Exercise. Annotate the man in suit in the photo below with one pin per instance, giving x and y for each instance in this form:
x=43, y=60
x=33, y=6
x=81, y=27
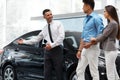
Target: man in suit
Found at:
x=53, y=32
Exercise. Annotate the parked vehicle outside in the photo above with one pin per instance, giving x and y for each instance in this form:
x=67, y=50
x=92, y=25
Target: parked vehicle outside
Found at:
x=26, y=62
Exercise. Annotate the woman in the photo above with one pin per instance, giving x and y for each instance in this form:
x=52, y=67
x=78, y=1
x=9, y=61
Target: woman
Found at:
x=107, y=41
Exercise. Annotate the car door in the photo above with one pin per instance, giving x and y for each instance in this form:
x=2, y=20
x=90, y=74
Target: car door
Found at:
x=31, y=60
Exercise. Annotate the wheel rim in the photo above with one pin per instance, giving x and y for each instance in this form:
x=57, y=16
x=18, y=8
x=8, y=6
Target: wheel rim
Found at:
x=9, y=74
x=74, y=77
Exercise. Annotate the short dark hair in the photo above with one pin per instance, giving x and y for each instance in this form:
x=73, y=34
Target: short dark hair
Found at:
x=89, y=2
x=46, y=10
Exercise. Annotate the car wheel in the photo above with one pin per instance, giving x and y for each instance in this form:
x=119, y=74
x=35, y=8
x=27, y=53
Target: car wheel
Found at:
x=73, y=76
x=9, y=73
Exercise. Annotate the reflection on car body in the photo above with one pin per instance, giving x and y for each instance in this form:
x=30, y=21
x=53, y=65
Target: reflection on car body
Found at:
x=26, y=62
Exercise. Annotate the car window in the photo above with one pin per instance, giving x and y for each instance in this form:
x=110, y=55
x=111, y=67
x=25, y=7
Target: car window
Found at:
x=37, y=45
x=30, y=37
x=70, y=42
x=73, y=41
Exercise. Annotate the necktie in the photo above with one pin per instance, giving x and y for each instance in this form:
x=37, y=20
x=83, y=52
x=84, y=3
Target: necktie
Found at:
x=88, y=18
x=50, y=35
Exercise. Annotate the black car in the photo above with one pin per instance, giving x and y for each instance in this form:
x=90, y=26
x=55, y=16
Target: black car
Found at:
x=26, y=62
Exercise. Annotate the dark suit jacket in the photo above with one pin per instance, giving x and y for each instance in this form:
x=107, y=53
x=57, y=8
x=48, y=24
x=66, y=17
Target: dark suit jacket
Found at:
x=108, y=38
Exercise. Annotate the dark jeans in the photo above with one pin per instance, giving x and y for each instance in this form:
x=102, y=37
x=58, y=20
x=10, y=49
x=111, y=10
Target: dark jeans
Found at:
x=54, y=59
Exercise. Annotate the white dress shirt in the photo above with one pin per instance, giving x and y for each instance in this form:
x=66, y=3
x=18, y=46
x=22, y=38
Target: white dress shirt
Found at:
x=57, y=32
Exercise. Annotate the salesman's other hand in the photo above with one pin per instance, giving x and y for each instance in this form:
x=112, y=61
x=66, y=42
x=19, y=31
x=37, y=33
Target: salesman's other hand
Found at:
x=48, y=47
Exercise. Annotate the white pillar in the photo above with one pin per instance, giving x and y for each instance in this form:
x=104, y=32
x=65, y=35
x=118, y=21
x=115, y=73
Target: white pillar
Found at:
x=4, y=22
x=3, y=31
x=73, y=5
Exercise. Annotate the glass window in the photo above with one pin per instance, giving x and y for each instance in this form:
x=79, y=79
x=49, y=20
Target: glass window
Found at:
x=71, y=41
x=73, y=24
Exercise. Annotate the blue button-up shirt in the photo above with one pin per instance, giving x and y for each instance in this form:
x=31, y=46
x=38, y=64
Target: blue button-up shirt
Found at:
x=93, y=26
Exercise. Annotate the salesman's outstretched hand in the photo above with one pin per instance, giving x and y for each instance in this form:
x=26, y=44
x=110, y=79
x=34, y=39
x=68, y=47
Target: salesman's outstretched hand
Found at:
x=20, y=41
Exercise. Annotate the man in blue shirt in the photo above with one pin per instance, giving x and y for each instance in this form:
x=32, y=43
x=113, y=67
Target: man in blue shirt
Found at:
x=87, y=52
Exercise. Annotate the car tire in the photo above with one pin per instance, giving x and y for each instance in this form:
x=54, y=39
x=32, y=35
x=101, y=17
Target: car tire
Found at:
x=9, y=73
x=73, y=76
